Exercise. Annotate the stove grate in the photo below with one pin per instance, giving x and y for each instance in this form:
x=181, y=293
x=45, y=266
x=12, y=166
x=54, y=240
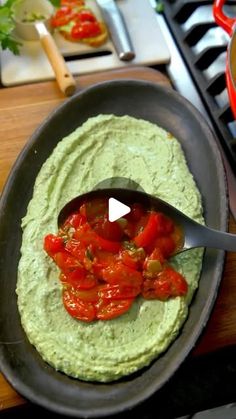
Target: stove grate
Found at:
x=203, y=46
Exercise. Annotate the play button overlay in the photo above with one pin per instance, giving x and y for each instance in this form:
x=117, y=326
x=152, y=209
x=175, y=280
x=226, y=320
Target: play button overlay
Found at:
x=110, y=202
x=107, y=205
x=116, y=209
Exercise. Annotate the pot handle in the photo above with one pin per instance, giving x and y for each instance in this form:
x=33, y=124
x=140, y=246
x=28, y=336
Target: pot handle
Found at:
x=226, y=22
x=231, y=89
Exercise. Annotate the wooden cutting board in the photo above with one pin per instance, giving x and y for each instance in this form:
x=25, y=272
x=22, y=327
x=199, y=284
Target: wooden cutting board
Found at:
x=32, y=65
x=25, y=107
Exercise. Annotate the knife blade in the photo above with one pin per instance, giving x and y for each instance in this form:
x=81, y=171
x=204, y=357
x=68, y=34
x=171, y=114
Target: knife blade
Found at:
x=117, y=28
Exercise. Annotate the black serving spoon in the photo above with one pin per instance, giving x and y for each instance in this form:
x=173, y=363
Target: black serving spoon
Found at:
x=194, y=234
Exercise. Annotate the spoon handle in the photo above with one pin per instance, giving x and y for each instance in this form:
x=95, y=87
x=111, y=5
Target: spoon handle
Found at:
x=208, y=237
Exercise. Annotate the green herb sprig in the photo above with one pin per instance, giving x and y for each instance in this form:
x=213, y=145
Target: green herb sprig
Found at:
x=7, y=39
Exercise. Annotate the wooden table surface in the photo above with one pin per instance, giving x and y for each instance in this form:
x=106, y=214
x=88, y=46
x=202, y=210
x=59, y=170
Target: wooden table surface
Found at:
x=22, y=109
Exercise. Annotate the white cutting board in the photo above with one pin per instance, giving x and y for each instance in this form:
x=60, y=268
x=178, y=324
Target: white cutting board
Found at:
x=142, y=23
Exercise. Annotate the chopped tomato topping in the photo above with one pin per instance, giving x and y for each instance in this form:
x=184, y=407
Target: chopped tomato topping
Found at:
x=85, y=15
x=178, y=283
x=117, y=292
x=83, y=23
x=65, y=261
x=79, y=278
x=81, y=310
x=166, y=245
x=62, y=16
x=53, y=244
x=129, y=259
x=75, y=220
x=168, y=283
x=85, y=29
x=122, y=275
x=105, y=265
x=149, y=233
x=137, y=211
x=108, y=230
x=108, y=310
x=72, y=3
x=92, y=295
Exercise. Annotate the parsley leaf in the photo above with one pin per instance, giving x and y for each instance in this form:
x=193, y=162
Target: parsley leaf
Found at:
x=159, y=6
x=55, y=3
x=6, y=27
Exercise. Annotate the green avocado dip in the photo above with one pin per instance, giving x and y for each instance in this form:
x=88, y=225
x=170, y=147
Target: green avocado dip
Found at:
x=105, y=146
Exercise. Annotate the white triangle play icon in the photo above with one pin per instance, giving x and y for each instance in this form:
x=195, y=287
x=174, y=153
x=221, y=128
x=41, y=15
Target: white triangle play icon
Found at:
x=116, y=209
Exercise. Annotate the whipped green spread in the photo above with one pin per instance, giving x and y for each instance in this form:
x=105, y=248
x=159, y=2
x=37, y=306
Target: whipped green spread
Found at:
x=105, y=146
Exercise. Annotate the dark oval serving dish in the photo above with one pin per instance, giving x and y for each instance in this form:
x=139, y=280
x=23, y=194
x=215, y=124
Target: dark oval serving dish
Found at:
x=19, y=361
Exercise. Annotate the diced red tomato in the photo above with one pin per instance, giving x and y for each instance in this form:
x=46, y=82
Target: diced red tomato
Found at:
x=62, y=16
x=83, y=30
x=108, y=230
x=83, y=210
x=94, y=209
x=86, y=235
x=156, y=289
x=101, y=261
x=122, y=275
x=105, y=258
x=166, y=245
x=79, y=278
x=128, y=260
x=164, y=225
x=178, y=237
x=179, y=285
x=137, y=211
x=53, y=244
x=118, y=292
x=155, y=255
x=85, y=15
x=111, y=309
x=140, y=224
x=92, y=295
x=108, y=245
x=162, y=289
x=149, y=233
x=65, y=261
x=81, y=310
x=130, y=229
x=75, y=220
x=76, y=249
x=72, y=3
x=168, y=283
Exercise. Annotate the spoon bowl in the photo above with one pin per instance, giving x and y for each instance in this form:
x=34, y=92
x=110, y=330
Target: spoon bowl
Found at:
x=194, y=234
